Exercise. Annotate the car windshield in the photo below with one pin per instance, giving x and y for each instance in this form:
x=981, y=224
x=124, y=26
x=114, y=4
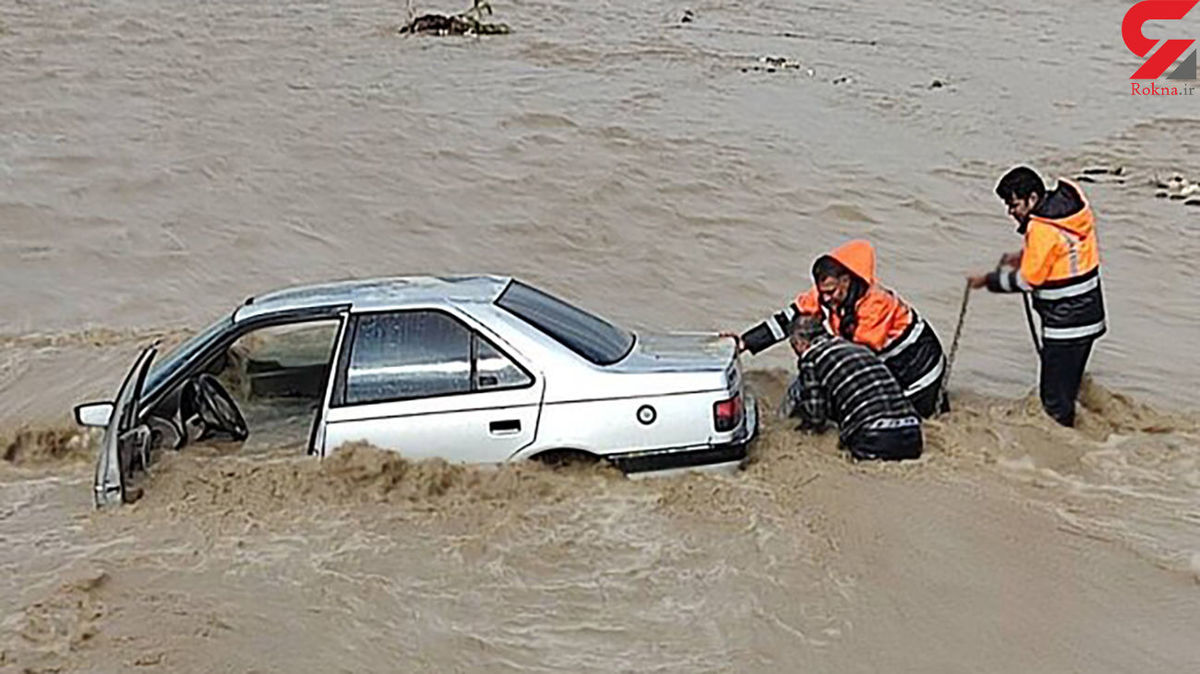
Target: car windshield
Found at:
x=589, y=336
x=164, y=366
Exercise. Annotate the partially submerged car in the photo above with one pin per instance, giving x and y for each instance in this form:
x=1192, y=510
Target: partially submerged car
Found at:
x=469, y=369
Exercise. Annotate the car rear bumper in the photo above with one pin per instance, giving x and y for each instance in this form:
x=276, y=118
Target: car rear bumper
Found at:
x=722, y=457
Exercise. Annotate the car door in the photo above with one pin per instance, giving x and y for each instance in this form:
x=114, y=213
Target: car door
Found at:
x=126, y=441
x=425, y=384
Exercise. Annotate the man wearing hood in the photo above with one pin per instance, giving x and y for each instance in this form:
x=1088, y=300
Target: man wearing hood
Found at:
x=858, y=308
x=1060, y=266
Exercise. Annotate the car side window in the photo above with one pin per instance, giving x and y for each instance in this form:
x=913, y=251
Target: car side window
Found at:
x=494, y=370
x=411, y=354
x=421, y=354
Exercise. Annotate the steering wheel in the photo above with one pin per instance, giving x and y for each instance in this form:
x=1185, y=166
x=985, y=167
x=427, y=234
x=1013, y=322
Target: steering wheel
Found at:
x=216, y=408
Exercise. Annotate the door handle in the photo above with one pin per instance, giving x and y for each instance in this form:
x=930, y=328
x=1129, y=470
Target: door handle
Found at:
x=505, y=427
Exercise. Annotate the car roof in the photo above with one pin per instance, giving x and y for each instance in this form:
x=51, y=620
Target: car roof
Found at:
x=377, y=293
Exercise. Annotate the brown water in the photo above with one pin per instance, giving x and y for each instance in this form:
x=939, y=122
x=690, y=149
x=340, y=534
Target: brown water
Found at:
x=159, y=161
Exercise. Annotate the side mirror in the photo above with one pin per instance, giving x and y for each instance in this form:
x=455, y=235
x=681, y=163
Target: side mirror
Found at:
x=94, y=414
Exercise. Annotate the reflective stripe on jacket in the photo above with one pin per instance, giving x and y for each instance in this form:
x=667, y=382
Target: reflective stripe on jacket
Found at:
x=1060, y=266
x=885, y=323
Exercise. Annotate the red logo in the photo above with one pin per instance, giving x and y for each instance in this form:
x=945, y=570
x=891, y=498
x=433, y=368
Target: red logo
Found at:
x=1171, y=50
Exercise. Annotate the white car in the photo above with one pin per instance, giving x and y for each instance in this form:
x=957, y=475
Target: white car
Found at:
x=469, y=369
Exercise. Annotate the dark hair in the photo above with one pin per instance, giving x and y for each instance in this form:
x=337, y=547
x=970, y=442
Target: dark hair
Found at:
x=826, y=266
x=1019, y=183
x=808, y=327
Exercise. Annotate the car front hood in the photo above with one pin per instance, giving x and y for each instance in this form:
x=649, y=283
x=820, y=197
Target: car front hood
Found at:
x=678, y=352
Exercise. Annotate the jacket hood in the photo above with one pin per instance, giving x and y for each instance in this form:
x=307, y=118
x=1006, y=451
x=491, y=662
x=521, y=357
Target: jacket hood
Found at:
x=858, y=256
x=1067, y=208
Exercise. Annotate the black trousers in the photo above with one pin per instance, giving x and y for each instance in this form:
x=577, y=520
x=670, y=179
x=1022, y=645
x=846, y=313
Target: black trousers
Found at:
x=1062, y=372
x=931, y=400
x=893, y=444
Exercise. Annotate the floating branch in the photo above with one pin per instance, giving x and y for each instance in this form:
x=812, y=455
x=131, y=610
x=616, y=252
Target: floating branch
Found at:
x=469, y=22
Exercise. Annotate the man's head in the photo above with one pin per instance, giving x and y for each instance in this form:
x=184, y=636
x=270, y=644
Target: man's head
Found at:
x=806, y=330
x=833, y=281
x=1021, y=188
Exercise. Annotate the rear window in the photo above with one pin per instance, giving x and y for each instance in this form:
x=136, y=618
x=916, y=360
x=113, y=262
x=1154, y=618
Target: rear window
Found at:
x=590, y=336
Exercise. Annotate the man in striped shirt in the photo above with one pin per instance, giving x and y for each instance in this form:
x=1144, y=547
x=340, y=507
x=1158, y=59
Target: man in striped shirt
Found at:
x=846, y=383
x=855, y=305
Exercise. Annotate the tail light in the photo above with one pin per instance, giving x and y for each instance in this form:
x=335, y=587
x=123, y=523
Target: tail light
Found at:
x=727, y=414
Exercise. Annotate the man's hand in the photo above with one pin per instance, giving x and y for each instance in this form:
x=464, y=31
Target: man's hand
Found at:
x=977, y=282
x=737, y=339
x=1011, y=259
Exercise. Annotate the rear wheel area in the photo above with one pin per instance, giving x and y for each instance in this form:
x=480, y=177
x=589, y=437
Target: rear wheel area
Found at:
x=566, y=458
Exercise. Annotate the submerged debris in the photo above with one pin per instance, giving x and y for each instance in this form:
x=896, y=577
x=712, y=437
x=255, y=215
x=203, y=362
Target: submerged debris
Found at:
x=1176, y=181
x=1178, y=188
x=1103, y=170
x=688, y=16
x=1107, y=174
x=771, y=64
x=465, y=23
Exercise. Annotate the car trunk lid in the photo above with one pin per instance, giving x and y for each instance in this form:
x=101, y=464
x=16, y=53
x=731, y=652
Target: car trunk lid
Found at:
x=679, y=352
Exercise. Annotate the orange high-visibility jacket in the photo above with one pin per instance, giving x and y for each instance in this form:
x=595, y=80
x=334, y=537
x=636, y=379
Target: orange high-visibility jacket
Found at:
x=885, y=323
x=1060, y=265
x=882, y=315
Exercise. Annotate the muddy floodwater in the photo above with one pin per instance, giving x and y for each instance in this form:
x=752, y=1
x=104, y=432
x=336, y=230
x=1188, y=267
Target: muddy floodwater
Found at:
x=162, y=160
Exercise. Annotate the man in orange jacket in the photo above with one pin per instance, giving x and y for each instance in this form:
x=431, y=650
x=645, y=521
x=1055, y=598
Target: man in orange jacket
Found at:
x=1060, y=265
x=859, y=308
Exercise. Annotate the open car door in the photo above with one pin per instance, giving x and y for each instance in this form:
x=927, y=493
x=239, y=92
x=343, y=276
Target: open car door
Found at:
x=126, y=444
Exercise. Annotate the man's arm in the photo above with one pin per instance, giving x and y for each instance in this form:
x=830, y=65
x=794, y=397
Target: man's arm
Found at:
x=769, y=332
x=1037, y=258
x=1010, y=260
x=1033, y=262
x=1006, y=280
x=1024, y=271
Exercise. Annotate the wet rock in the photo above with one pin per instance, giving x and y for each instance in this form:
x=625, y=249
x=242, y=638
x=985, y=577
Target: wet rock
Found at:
x=844, y=79
x=688, y=16
x=937, y=84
